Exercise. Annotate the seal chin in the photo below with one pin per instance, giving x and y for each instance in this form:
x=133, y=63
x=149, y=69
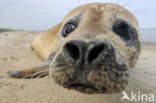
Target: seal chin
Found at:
x=99, y=87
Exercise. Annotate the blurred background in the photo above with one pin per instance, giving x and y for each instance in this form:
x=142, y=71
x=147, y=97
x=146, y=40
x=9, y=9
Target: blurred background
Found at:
x=39, y=15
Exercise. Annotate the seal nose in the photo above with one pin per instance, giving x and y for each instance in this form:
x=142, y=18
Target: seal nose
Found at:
x=75, y=49
x=95, y=51
x=82, y=52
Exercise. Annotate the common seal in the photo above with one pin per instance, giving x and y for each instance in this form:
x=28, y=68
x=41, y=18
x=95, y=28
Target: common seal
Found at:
x=91, y=50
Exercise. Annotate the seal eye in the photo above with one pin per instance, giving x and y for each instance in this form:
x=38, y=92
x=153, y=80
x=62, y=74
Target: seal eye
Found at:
x=123, y=30
x=69, y=27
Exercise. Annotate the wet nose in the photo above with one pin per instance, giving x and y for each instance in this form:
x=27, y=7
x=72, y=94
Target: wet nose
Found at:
x=82, y=51
x=75, y=49
x=95, y=51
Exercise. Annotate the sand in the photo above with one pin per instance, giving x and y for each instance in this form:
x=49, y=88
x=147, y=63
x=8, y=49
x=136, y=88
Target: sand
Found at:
x=15, y=54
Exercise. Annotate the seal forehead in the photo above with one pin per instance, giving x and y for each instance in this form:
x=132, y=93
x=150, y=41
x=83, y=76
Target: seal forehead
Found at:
x=110, y=8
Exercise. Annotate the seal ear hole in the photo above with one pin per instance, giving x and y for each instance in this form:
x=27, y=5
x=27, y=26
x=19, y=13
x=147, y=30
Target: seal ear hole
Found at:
x=95, y=52
x=72, y=50
x=123, y=30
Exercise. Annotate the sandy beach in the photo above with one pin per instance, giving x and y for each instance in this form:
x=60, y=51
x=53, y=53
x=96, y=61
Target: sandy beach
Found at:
x=15, y=54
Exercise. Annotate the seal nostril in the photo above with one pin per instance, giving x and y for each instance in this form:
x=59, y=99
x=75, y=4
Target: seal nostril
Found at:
x=95, y=52
x=73, y=50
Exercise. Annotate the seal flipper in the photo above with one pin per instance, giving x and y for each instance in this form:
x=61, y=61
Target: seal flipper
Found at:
x=29, y=73
x=16, y=74
x=33, y=72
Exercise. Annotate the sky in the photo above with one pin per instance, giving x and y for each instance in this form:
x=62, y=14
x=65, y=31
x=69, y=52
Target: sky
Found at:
x=44, y=14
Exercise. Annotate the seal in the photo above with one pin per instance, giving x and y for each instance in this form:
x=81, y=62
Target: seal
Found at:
x=91, y=50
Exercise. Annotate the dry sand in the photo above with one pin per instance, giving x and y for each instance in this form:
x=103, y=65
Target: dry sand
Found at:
x=15, y=53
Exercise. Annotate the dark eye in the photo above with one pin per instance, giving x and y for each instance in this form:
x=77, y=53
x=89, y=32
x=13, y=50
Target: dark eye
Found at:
x=123, y=30
x=69, y=27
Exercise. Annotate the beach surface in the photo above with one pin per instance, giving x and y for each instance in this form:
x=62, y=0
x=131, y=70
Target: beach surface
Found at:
x=16, y=54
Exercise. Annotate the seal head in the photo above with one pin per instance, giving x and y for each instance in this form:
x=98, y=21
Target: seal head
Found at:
x=97, y=45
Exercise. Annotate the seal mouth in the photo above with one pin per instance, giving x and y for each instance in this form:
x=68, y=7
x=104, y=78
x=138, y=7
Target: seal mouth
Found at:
x=81, y=87
x=77, y=85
